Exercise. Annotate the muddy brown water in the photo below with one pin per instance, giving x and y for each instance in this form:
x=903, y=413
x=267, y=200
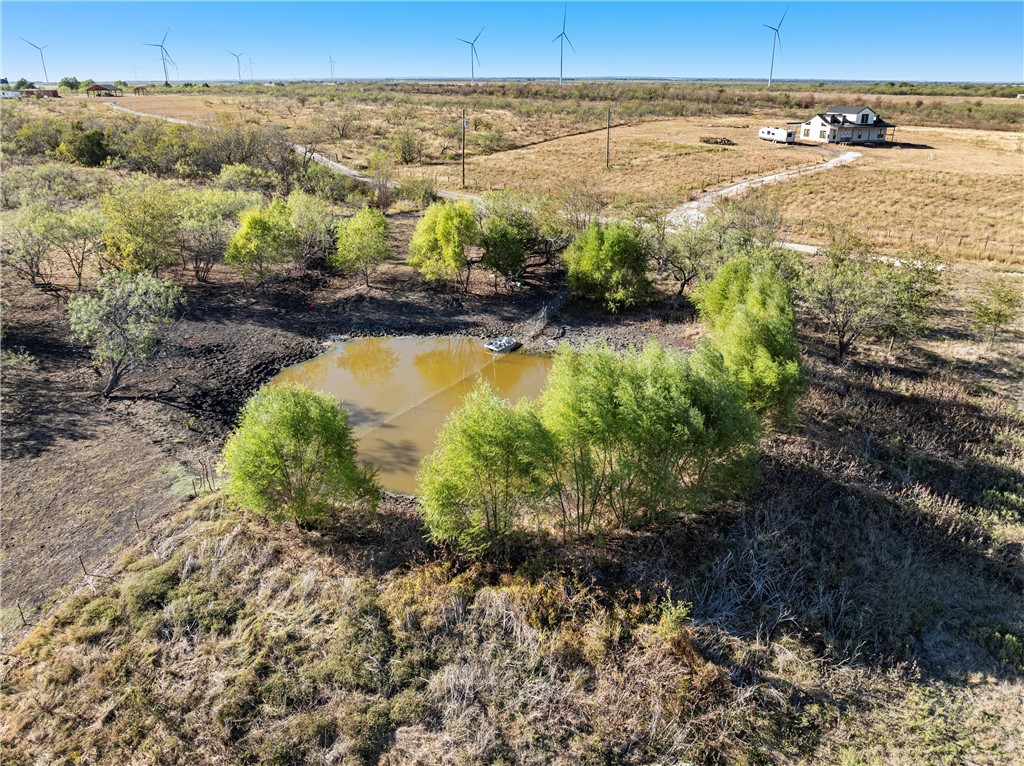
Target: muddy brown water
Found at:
x=400, y=390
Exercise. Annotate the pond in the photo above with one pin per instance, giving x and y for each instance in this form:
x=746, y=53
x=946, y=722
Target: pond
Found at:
x=400, y=390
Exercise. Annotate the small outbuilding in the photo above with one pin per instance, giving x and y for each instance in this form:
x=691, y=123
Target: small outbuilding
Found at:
x=102, y=90
x=38, y=93
x=139, y=90
x=845, y=125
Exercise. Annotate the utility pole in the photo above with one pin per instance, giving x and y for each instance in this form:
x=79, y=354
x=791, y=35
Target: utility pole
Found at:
x=464, y=148
x=608, y=143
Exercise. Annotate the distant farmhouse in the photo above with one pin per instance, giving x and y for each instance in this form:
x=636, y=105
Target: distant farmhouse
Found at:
x=845, y=125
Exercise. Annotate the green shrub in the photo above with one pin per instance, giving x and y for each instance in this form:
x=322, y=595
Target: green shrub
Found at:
x=362, y=242
x=242, y=177
x=608, y=263
x=504, y=249
x=293, y=456
x=996, y=307
x=639, y=435
x=320, y=180
x=265, y=236
x=438, y=247
x=418, y=190
x=85, y=147
x=748, y=308
x=124, y=322
x=142, y=225
x=482, y=473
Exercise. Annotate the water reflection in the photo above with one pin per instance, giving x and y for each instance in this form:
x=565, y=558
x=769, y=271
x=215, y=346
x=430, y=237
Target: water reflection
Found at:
x=400, y=390
x=370, y=360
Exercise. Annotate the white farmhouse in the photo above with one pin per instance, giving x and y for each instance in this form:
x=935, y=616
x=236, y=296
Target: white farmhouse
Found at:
x=845, y=125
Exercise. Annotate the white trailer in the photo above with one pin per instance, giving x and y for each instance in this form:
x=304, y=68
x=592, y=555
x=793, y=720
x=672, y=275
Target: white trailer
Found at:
x=9, y=94
x=777, y=135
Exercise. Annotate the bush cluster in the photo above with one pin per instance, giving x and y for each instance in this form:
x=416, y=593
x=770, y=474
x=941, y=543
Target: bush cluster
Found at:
x=622, y=440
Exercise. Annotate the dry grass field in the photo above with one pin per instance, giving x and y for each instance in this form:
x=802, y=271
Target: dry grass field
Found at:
x=662, y=161
x=957, y=192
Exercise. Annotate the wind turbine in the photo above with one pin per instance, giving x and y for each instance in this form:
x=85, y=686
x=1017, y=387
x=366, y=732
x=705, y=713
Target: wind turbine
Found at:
x=47, y=76
x=472, y=53
x=251, y=62
x=164, y=55
x=776, y=38
x=563, y=38
x=332, y=62
x=238, y=61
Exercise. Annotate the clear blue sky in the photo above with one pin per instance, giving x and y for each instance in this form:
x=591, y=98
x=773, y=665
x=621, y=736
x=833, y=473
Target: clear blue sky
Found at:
x=973, y=41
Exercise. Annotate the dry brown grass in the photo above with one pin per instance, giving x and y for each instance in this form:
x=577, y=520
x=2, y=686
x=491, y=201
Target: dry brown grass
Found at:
x=959, y=193
x=661, y=161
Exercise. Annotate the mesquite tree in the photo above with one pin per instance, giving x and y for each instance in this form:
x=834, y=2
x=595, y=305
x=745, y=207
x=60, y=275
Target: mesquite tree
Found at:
x=124, y=321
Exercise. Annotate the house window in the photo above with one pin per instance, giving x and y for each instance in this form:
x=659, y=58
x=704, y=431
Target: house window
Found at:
x=864, y=118
x=859, y=135
x=807, y=132
x=822, y=134
x=881, y=134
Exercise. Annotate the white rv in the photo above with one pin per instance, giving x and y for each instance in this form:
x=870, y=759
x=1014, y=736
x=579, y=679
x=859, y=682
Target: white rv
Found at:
x=9, y=94
x=777, y=135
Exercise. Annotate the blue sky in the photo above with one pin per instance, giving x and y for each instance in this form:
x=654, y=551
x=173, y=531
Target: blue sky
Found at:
x=973, y=41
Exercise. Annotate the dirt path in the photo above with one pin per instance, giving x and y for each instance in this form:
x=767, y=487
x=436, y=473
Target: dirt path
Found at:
x=692, y=213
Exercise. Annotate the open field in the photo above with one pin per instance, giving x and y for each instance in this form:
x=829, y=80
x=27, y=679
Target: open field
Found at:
x=660, y=161
x=956, y=192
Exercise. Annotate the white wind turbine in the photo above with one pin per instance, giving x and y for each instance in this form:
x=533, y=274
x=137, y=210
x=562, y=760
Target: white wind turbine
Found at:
x=45, y=74
x=563, y=38
x=472, y=54
x=332, y=62
x=164, y=55
x=238, y=62
x=776, y=38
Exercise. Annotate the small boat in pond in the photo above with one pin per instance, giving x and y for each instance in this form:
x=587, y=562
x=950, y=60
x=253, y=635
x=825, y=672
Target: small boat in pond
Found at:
x=502, y=345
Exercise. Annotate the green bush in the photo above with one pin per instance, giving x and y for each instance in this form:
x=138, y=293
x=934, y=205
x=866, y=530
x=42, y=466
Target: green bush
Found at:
x=293, y=456
x=438, y=246
x=142, y=225
x=85, y=147
x=362, y=242
x=123, y=323
x=242, y=177
x=418, y=190
x=608, y=263
x=265, y=236
x=638, y=436
x=328, y=184
x=748, y=308
x=483, y=471
x=504, y=249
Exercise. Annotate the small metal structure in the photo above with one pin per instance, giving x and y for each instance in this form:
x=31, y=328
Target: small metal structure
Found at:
x=139, y=90
x=502, y=345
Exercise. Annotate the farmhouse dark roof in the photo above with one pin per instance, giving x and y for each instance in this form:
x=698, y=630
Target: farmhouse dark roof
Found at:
x=845, y=109
x=841, y=121
x=102, y=86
